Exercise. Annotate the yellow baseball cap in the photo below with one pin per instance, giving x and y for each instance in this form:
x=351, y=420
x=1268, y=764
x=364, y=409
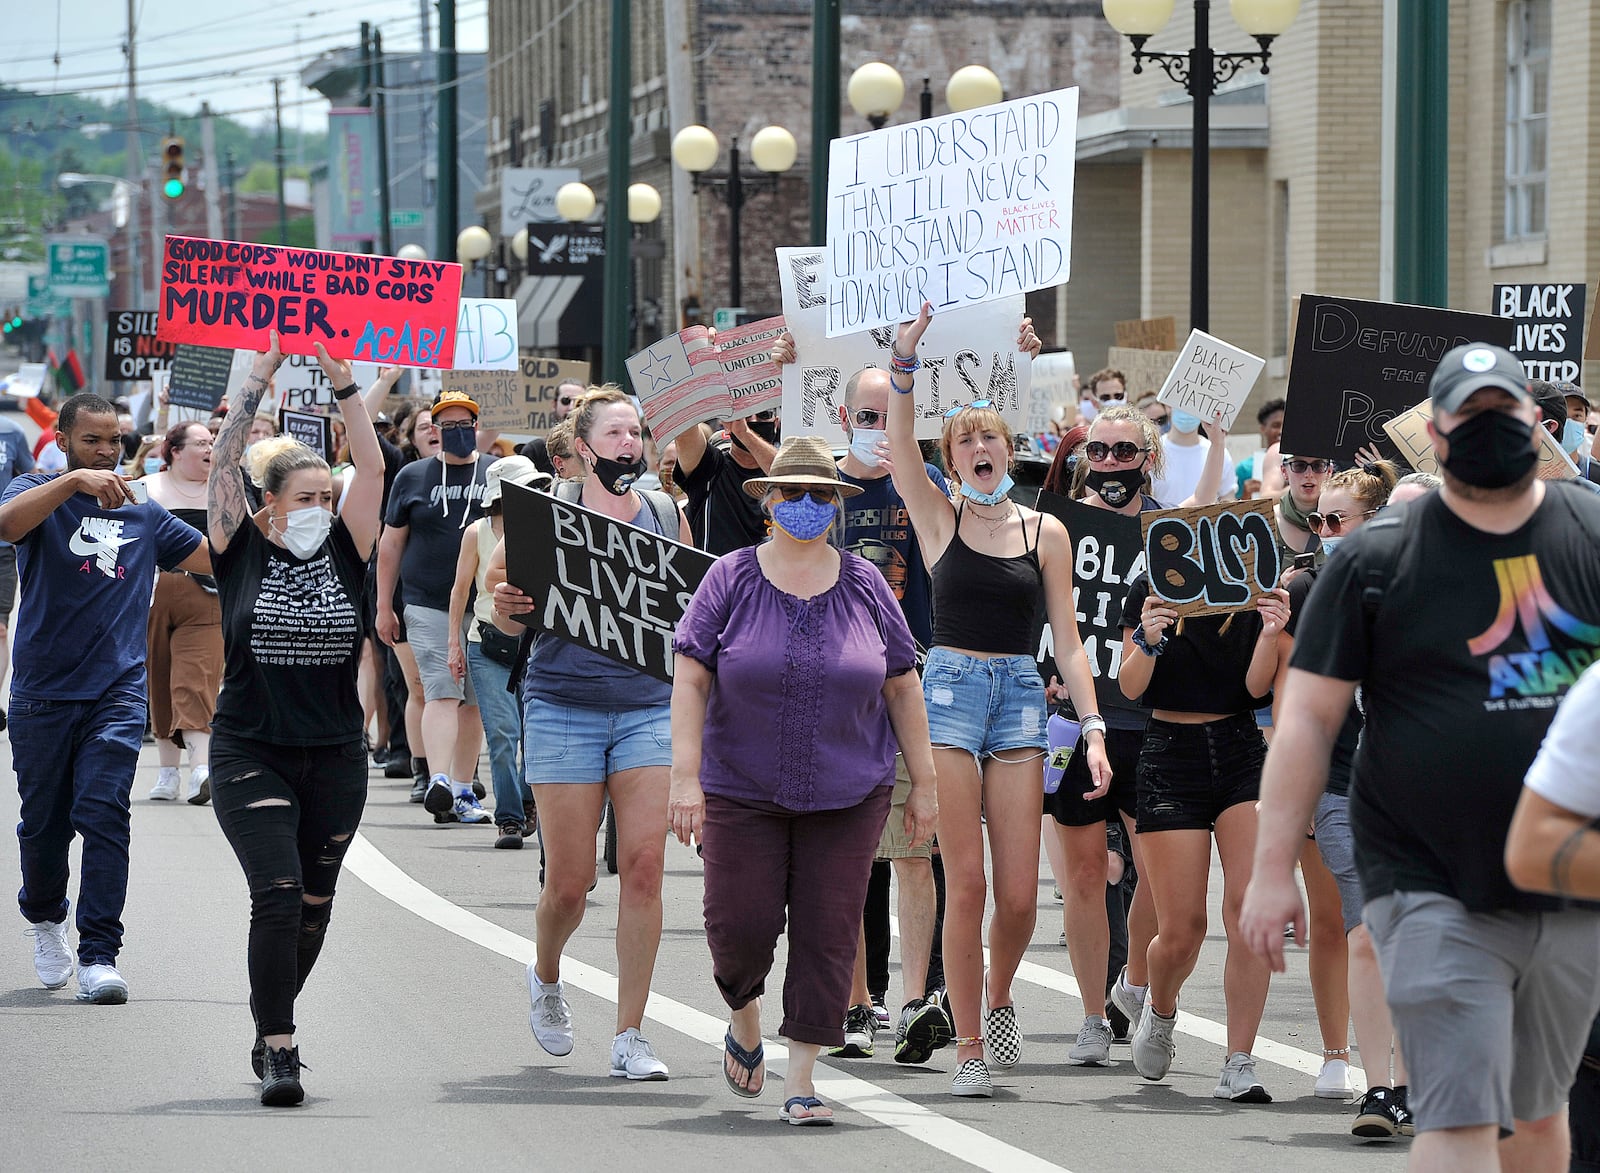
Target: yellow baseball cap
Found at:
x=455, y=399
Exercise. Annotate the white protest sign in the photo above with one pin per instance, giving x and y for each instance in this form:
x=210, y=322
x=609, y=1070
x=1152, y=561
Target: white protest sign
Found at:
x=300, y=384
x=486, y=334
x=1211, y=376
x=1052, y=387
x=957, y=210
x=679, y=383
x=966, y=354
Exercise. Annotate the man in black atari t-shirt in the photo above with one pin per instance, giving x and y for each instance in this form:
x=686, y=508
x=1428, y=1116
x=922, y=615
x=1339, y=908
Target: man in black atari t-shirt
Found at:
x=1465, y=617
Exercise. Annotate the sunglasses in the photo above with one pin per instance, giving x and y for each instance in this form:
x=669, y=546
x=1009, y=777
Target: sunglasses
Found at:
x=976, y=404
x=566, y=401
x=794, y=493
x=763, y=417
x=1301, y=467
x=1334, y=521
x=1113, y=398
x=1123, y=450
x=865, y=417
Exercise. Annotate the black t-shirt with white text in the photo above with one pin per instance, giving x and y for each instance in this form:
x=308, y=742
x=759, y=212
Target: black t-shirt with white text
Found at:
x=436, y=501
x=1477, y=639
x=722, y=516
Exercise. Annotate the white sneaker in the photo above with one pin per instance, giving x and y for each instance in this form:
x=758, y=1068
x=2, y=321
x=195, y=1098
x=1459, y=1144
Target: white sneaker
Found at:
x=102, y=984
x=52, y=956
x=550, y=1016
x=633, y=1058
x=1127, y=999
x=1239, y=1082
x=1093, y=1045
x=1334, y=1082
x=199, y=791
x=166, y=787
x=1153, y=1048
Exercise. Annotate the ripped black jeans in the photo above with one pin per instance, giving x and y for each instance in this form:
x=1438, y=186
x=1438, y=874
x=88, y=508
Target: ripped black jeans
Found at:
x=289, y=813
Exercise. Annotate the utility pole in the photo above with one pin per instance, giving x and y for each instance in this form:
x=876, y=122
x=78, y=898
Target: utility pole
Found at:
x=380, y=114
x=136, y=194
x=277, y=156
x=681, y=113
x=619, y=135
x=1422, y=173
x=231, y=179
x=824, y=108
x=449, y=179
x=208, y=152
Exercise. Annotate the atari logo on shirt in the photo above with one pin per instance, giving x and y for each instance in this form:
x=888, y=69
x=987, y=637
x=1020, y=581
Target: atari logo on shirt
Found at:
x=100, y=538
x=1542, y=670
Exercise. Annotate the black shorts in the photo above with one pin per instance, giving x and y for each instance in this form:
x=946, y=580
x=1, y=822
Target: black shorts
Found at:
x=1068, y=806
x=1190, y=774
x=8, y=583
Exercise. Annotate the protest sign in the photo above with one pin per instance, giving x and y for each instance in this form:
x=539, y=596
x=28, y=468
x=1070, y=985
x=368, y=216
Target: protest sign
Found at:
x=605, y=585
x=1549, y=337
x=1148, y=333
x=966, y=354
x=1409, y=433
x=486, y=334
x=300, y=384
x=957, y=210
x=1051, y=387
x=1107, y=554
x=28, y=380
x=225, y=293
x=1358, y=364
x=1211, y=376
x=198, y=377
x=1145, y=371
x=314, y=431
x=679, y=382
x=524, y=403
x=745, y=352
x=132, y=348
x=1212, y=560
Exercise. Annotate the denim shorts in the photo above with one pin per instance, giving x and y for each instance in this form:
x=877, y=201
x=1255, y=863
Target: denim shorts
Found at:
x=565, y=743
x=983, y=706
x=1190, y=774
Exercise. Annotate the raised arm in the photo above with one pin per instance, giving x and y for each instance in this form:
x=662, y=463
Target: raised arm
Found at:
x=691, y=443
x=373, y=397
x=365, y=492
x=932, y=515
x=227, y=506
x=1209, y=485
x=759, y=450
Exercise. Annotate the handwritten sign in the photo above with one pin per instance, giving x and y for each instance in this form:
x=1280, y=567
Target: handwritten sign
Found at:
x=301, y=386
x=1358, y=364
x=1108, y=554
x=1211, y=376
x=529, y=193
x=132, y=348
x=957, y=210
x=1409, y=433
x=199, y=376
x=486, y=334
x=388, y=310
x=745, y=352
x=605, y=585
x=966, y=354
x=1051, y=387
x=1148, y=333
x=1549, y=337
x=526, y=403
x=1213, y=560
x=314, y=431
x=680, y=382
x=1146, y=370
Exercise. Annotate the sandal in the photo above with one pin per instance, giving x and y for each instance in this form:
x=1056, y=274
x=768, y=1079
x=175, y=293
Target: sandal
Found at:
x=749, y=1060
x=810, y=1104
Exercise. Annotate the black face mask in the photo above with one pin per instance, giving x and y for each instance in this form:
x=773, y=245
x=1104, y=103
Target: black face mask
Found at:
x=1490, y=450
x=1117, y=488
x=617, y=476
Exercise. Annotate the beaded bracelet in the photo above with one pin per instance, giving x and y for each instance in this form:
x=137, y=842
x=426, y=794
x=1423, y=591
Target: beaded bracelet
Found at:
x=899, y=390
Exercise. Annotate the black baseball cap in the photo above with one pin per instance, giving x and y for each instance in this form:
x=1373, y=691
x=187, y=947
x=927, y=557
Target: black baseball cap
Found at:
x=1471, y=368
x=1552, y=403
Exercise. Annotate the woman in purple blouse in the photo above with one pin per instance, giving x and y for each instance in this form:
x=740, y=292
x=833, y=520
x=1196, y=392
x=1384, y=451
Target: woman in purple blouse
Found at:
x=794, y=686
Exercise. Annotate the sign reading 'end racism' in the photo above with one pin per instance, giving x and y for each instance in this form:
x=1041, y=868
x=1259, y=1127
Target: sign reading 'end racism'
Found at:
x=386, y=310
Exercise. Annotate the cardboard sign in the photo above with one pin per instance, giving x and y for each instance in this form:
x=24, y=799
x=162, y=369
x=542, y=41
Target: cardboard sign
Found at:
x=613, y=588
x=1409, y=433
x=1358, y=364
x=198, y=377
x=745, y=352
x=1213, y=560
x=1146, y=370
x=132, y=348
x=1211, y=376
x=957, y=210
x=1549, y=337
x=300, y=384
x=486, y=334
x=1108, y=554
x=525, y=403
x=387, y=310
x=314, y=431
x=966, y=354
x=1148, y=333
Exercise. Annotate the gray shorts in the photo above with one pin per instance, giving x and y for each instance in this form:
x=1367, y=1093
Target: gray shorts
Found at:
x=428, y=632
x=1338, y=850
x=1492, y=1010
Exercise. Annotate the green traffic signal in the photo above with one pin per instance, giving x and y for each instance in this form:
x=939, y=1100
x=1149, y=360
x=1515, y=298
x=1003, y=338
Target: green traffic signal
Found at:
x=16, y=323
x=172, y=189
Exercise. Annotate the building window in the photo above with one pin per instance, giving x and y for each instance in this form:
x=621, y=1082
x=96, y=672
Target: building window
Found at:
x=1527, y=117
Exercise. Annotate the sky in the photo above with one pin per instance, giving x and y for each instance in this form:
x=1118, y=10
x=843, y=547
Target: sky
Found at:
x=226, y=54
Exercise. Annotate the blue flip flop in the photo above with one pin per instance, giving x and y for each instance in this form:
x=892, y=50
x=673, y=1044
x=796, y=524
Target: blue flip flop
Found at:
x=809, y=1103
x=749, y=1060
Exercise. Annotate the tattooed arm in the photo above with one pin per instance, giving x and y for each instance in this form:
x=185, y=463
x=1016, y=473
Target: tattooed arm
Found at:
x=1552, y=849
x=228, y=507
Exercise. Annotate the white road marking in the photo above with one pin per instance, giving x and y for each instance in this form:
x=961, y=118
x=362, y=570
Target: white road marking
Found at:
x=976, y=1148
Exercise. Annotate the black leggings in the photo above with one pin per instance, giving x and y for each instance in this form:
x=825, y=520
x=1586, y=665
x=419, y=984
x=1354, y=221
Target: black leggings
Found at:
x=289, y=813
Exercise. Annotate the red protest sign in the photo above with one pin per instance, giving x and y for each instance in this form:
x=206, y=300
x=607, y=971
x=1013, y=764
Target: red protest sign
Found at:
x=371, y=309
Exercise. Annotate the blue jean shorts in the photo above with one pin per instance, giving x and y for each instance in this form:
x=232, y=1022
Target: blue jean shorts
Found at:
x=565, y=743
x=983, y=706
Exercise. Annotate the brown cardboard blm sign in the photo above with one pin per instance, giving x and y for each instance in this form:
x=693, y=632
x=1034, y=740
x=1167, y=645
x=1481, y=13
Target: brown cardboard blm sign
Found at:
x=1213, y=560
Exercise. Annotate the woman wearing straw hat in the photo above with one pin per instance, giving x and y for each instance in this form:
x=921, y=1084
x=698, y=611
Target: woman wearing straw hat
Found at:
x=781, y=640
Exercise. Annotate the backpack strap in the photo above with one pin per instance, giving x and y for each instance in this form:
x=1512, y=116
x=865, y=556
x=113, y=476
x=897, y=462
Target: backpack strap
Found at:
x=666, y=511
x=1386, y=538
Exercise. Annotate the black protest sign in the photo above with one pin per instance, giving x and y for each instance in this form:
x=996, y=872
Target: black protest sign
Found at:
x=1212, y=560
x=199, y=376
x=1549, y=320
x=1107, y=554
x=132, y=349
x=314, y=431
x=1358, y=364
x=605, y=585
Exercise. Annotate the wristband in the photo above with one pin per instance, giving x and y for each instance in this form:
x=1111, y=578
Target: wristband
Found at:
x=899, y=390
x=1138, y=642
x=1092, y=723
x=905, y=364
x=343, y=393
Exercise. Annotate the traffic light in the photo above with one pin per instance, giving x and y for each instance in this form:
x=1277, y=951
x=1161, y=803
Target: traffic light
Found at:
x=13, y=321
x=172, y=167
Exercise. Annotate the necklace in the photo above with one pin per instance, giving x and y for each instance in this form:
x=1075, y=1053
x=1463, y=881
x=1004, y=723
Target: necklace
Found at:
x=994, y=525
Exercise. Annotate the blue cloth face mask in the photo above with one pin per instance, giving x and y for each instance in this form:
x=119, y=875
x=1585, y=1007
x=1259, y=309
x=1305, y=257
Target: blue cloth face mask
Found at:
x=864, y=445
x=804, y=520
x=994, y=498
x=459, y=442
x=1330, y=544
x=152, y=464
x=1183, y=421
x=1573, y=435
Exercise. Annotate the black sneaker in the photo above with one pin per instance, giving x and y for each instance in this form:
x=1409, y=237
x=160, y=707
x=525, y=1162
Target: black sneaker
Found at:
x=258, y=1057
x=380, y=756
x=419, y=789
x=510, y=837
x=478, y=791
x=1119, y=1022
x=923, y=1029
x=397, y=765
x=1376, y=1115
x=860, y=1025
x=280, y=1084
x=1402, y=1109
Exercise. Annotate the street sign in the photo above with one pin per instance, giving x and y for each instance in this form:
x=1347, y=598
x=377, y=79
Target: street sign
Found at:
x=41, y=303
x=78, y=266
x=409, y=218
x=726, y=318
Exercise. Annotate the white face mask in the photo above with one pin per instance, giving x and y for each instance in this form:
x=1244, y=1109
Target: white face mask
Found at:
x=304, y=530
x=864, y=445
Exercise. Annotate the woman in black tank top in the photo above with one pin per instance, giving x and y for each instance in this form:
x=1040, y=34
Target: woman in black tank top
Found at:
x=993, y=565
